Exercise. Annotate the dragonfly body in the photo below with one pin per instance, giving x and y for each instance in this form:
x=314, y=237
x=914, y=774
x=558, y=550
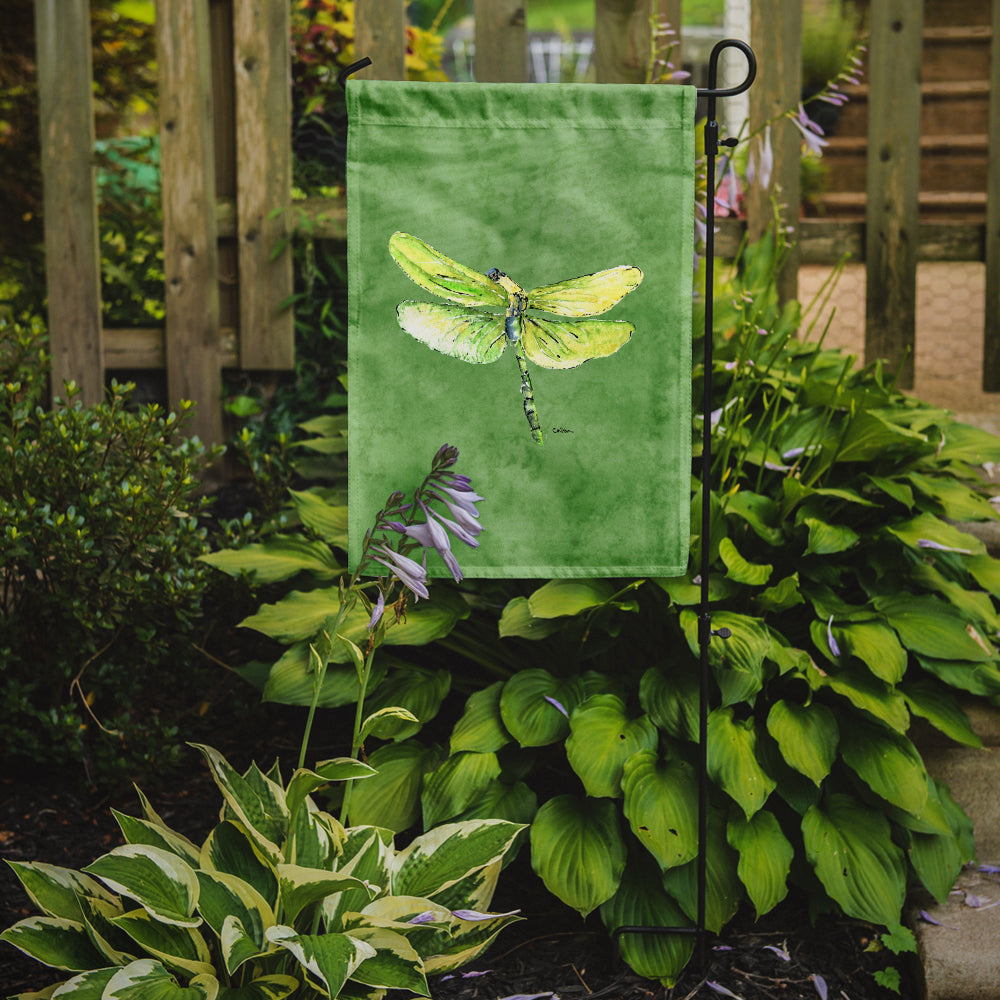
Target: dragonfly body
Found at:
x=470, y=330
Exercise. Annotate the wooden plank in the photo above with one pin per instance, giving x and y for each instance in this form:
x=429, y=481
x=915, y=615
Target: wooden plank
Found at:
x=991, y=332
x=72, y=257
x=144, y=348
x=501, y=41
x=621, y=40
x=380, y=34
x=190, y=254
x=893, y=184
x=262, y=62
x=776, y=35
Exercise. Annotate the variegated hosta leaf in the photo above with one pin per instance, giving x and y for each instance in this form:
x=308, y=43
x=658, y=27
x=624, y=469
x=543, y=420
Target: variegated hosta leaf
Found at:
x=515, y=803
x=391, y=799
x=732, y=760
x=147, y=979
x=475, y=891
x=300, y=887
x=304, y=782
x=850, y=847
x=256, y=801
x=367, y=854
x=273, y=987
x=441, y=857
x=86, y=986
x=765, y=858
x=116, y=946
x=466, y=941
x=230, y=849
x=578, y=851
x=315, y=838
x=158, y=880
x=888, y=763
x=54, y=941
x=56, y=891
x=661, y=805
x=418, y=690
x=602, y=737
x=141, y=831
x=456, y=784
x=395, y=964
x=329, y=959
x=807, y=736
x=642, y=902
x=481, y=727
x=177, y=947
x=225, y=897
x=535, y=706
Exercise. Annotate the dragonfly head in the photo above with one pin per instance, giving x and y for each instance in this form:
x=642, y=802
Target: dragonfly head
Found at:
x=495, y=274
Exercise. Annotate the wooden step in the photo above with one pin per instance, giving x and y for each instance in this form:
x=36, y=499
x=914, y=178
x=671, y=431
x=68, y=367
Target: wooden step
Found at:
x=956, y=53
x=955, y=206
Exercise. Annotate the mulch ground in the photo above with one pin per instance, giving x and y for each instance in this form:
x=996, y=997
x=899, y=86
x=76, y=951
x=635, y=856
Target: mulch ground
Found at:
x=551, y=952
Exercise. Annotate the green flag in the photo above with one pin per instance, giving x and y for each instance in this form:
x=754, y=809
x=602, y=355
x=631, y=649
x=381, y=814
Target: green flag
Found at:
x=520, y=282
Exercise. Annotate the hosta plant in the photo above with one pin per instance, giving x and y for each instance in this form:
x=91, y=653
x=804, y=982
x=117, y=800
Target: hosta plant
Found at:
x=279, y=900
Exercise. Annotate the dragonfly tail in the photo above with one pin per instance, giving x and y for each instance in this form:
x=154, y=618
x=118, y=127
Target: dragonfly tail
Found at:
x=530, y=410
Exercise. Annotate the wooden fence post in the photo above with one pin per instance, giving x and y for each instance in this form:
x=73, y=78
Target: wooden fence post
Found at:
x=991, y=332
x=501, y=41
x=72, y=256
x=892, y=239
x=190, y=252
x=262, y=62
x=776, y=34
x=380, y=34
x=621, y=40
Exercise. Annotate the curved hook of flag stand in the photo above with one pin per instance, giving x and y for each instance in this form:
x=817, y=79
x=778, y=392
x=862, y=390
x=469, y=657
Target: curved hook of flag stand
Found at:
x=705, y=631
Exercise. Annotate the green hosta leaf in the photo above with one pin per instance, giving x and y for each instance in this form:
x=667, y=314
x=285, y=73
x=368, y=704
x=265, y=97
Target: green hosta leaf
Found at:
x=976, y=678
x=273, y=987
x=888, y=763
x=56, y=891
x=385, y=723
x=986, y=572
x=760, y=512
x=783, y=595
x=280, y=557
x=517, y=620
x=723, y=889
x=292, y=680
x=941, y=709
x=765, y=858
x=395, y=964
x=54, y=941
x=738, y=661
x=226, y=898
x=827, y=539
x=975, y=605
x=527, y=709
x=937, y=859
x=965, y=443
x=732, y=760
x=807, y=736
x=671, y=699
x=741, y=571
x=330, y=959
x=850, y=847
x=180, y=948
x=928, y=528
x=893, y=488
x=569, y=597
x=516, y=803
x=602, y=738
x=456, y=784
x=327, y=520
x=147, y=979
x=163, y=884
x=870, y=436
x=440, y=858
x=876, y=646
x=141, y=831
x=641, y=901
x=661, y=800
x=865, y=692
x=578, y=851
x=260, y=809
x=931, y=628
x=391, y=798
x=683, y=591
x=416, y=689
x=481, y=728
x=304, y=782
x=957, y=501
x=230, y=849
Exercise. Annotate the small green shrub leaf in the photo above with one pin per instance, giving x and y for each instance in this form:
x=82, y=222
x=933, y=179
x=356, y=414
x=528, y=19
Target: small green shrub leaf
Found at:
x=807, y=736
x=481, y=727
x=535, y=706
x=54, y=941
x=732, y=760
x=661, y=799
x=850, y=848
x=765, y=858
x=601, y=739
x=577, y=850
x=558, y=598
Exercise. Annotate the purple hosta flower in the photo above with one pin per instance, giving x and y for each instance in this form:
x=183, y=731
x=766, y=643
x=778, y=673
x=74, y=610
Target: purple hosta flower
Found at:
x=377, y=611
x=831, y=642
x=465, y=975
x=761, y=163
x=719, y=988
x=558, y=705
x=780, y=952
x=927, y=918
x=410, y=573
x=432, y=535
x=461, y=503
x=475, y=915
x=427, y=917
x=928, y=543
x=820, y=983
x=990, y=869
x=727, y=197
x=811, y=132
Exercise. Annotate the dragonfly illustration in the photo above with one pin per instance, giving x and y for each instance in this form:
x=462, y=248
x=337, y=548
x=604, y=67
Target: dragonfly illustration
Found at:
x=469, y=330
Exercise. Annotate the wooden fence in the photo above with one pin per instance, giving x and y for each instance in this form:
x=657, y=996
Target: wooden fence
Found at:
x=226, y=162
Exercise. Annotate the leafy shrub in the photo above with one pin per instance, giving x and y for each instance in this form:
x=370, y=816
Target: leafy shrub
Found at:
x=279, y=899
x=99, y=540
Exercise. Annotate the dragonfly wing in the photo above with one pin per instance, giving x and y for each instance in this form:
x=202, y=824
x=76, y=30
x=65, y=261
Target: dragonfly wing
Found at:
x=478, y=338
x=589, y=295
x=431, y=270
x=553, y=343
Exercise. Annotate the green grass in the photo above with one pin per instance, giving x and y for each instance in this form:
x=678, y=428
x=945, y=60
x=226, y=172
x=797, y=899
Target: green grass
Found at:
x=578, y=15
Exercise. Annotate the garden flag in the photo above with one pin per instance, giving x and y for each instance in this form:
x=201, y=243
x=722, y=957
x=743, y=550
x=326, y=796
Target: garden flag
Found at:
x=520, y=280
